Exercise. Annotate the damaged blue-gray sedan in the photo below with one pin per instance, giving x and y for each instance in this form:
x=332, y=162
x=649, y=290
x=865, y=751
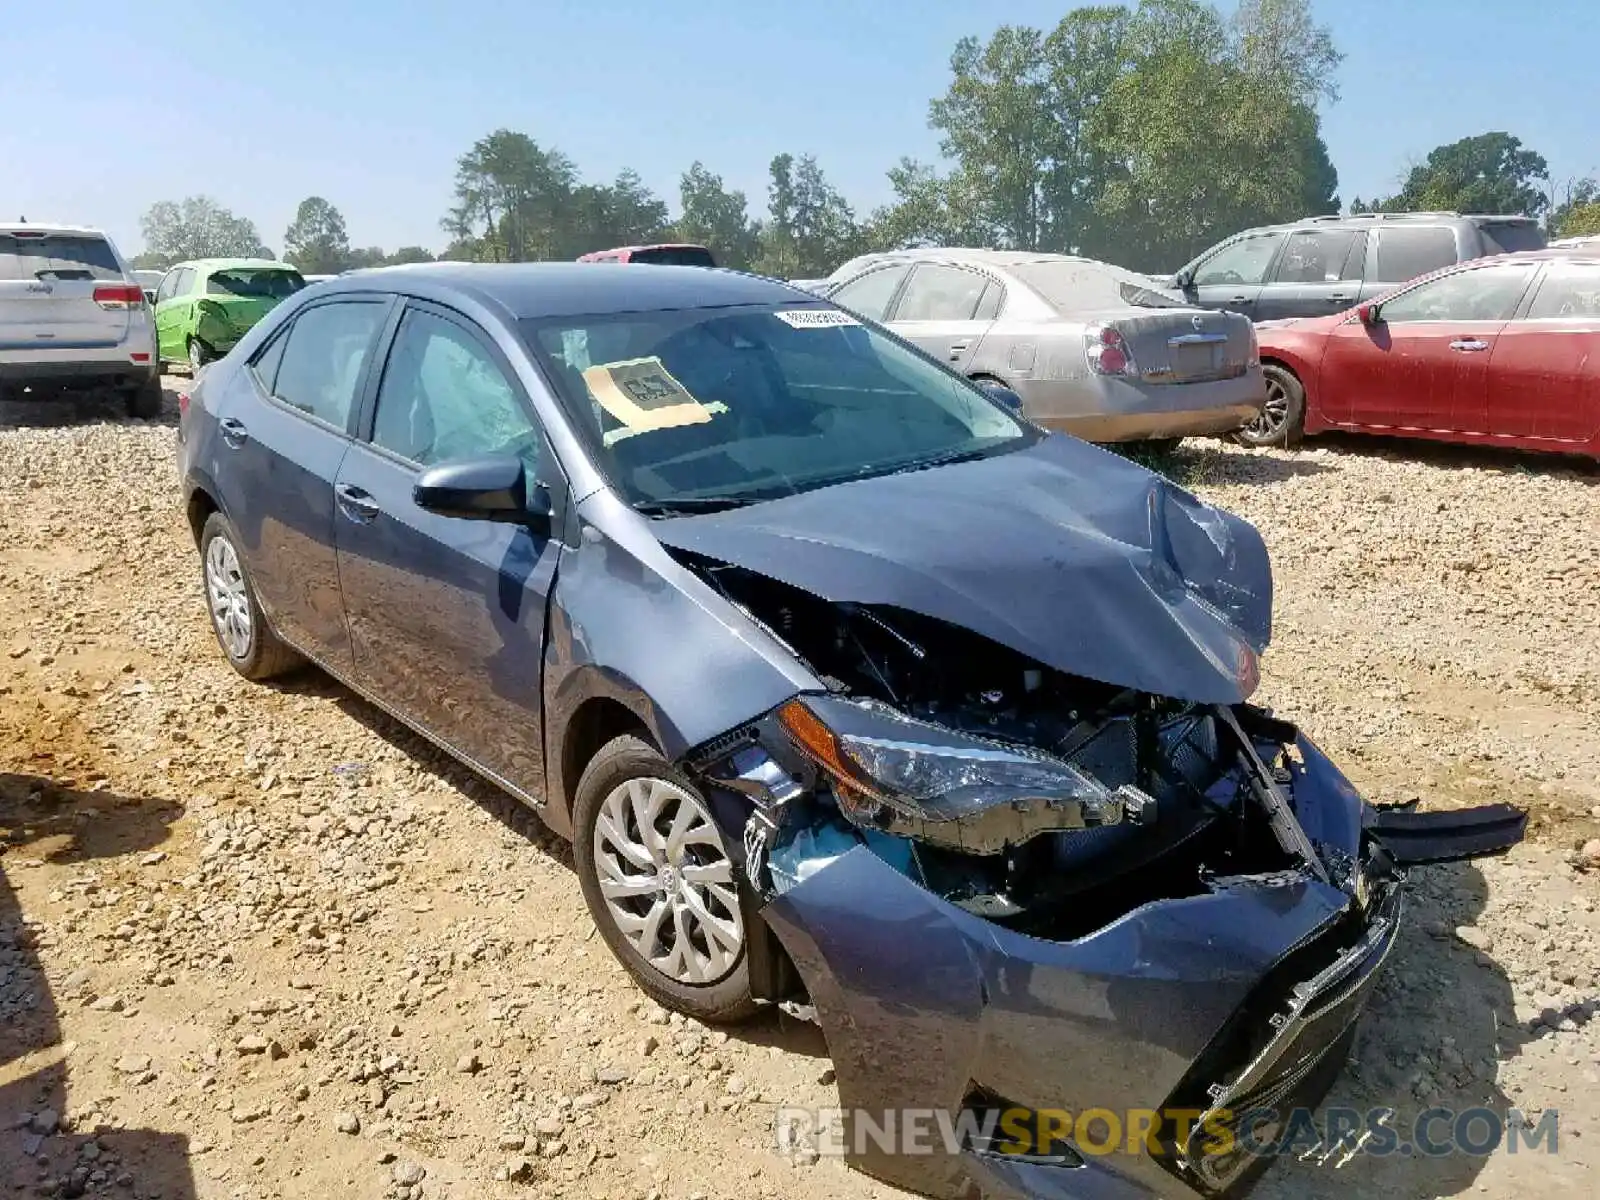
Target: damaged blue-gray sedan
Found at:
x=856, y=692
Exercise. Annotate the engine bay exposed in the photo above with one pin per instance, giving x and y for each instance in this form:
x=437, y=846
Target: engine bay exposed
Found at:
x=1168, y=794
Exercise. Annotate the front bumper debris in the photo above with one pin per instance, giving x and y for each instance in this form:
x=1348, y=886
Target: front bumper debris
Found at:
x=1413, y=838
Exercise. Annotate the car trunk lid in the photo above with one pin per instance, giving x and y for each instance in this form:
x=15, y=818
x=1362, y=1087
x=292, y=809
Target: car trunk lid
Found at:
x=1184, y=345
x=47, y=292
x=244, y=296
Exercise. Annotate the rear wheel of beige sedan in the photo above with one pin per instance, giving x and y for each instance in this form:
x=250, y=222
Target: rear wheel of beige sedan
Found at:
x=660, y=883
x=1283, y=417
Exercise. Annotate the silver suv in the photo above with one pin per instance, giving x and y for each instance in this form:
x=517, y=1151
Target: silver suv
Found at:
x=73, y=318
x=1324, y=265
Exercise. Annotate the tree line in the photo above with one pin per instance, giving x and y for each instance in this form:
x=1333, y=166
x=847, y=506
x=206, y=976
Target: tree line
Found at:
x=1135, y=133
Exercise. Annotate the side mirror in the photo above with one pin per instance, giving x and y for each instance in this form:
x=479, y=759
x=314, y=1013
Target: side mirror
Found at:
x=1002, y=395
x=492, y=488
x=1183, y=280
x=1369, y=314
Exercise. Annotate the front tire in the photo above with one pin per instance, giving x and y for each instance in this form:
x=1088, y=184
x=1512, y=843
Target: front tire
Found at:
x=660, y=883
x=247, y=641
x=1283, y=418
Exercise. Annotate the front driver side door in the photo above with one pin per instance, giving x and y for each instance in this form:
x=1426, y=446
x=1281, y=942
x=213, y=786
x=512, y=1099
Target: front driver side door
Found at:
x=1231, y=279
x=1424, y=366
x=447, y=615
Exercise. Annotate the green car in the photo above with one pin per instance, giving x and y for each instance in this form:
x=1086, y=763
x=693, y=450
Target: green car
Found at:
x=205, y=306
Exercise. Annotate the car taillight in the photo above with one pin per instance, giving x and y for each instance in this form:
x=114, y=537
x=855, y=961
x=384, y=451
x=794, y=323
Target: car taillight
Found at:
x=183, y=405
x=1107, y=351
x=1252, y=356
x=114, y=296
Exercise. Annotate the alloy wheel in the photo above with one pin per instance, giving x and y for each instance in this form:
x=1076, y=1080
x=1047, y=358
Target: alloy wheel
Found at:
x=667, y=882
x=1269, y=424
x=230, y=598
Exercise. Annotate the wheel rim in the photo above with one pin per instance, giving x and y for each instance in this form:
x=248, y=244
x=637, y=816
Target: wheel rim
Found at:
x=1274, y=413
x=230, y=598
x=196, y=356
x=667, y=882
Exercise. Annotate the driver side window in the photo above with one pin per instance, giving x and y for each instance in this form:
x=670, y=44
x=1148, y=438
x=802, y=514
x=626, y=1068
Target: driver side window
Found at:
x=1244, y=262
x=443, y=396
x=1488, y=293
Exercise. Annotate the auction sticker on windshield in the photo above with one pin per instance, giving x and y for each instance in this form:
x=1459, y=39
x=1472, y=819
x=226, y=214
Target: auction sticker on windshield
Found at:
x=814, y=318
x=643, y=395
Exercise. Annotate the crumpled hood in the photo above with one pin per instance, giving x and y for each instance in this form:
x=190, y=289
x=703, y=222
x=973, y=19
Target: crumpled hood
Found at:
x=1063, y=552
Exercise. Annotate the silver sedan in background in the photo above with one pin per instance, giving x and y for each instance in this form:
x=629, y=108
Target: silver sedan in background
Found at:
x=1093, y=350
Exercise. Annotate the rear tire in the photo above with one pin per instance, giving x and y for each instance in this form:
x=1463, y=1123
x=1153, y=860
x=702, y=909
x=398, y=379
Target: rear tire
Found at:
x=663, y=920
x=246, y=639
x=1283, y=419
x=199, y=355
x=144, y=401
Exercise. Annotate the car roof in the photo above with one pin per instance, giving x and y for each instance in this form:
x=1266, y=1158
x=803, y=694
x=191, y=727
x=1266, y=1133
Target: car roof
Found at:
x=566, y=289
x=50, y=228
x=652, y=246
x=1366, y=220
x=229, y=264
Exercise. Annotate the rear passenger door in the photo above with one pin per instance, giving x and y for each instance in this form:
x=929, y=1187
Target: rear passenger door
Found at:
x=283, y=427
x=1318, y=273
x=1232, y=278
x=446, y=615
x=1544, y=373
x=945, y=311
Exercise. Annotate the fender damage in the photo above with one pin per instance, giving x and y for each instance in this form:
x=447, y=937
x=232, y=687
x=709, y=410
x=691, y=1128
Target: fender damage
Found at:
x=1015, y=872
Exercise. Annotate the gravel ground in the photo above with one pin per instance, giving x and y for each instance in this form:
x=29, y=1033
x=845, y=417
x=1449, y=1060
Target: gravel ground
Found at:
x=260, y=942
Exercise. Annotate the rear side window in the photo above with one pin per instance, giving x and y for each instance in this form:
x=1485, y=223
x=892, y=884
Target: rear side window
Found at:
x=1322, y=256
x=260, y=285
x=1508, y=237
x=1568, y=290
x=57, y=257
x=674, y=256
x=1406, y=253
x=869, y=296
x=941, y=294
x=326, y=352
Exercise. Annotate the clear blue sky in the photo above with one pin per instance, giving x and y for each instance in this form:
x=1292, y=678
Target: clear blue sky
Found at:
x=112, y=106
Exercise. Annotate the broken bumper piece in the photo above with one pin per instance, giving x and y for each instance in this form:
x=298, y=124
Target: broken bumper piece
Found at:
x=1413, y=838
x=928, y=1007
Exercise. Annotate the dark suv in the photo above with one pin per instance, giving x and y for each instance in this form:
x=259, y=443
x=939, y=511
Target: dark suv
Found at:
x=1327, y=264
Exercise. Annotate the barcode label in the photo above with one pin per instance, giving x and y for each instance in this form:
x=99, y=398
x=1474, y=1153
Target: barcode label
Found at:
x=815, y=318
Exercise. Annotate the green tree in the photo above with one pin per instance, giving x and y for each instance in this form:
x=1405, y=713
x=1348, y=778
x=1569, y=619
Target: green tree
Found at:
x=365, y=256
x=198, y=227
x=627, y=213
x=408, y=254
x=1138, y=134
x=316, y=240
x=514, y=200
x=1578, y=213
x=714, y=217
x=811, y=229
x=1489, y=173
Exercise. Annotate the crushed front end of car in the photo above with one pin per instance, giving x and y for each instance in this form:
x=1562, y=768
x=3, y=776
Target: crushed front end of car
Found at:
x=1006, y=888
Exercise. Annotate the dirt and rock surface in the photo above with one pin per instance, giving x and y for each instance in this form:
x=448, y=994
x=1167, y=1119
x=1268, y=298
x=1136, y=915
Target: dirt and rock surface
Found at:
x=260, y=942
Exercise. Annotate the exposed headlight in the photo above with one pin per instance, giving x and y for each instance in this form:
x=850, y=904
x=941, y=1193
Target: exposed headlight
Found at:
x=921, y=780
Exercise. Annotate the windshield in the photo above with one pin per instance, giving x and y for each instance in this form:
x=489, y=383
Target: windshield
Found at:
x=702, y=408
x=1076, y=286
x=261, y=285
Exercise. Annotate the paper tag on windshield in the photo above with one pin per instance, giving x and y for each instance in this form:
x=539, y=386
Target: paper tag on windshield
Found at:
x=643, y=395
x=815, y=318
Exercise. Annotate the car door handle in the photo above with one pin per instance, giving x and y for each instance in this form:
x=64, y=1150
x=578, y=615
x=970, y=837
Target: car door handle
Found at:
x=1240, y=300
x=1469, y=344
x=957, y=349
x=233, y=432
x=1340, y=298
x=356, y=504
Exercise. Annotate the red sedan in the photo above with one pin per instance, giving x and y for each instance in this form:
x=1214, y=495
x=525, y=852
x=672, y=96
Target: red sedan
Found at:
x=1501, y=351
